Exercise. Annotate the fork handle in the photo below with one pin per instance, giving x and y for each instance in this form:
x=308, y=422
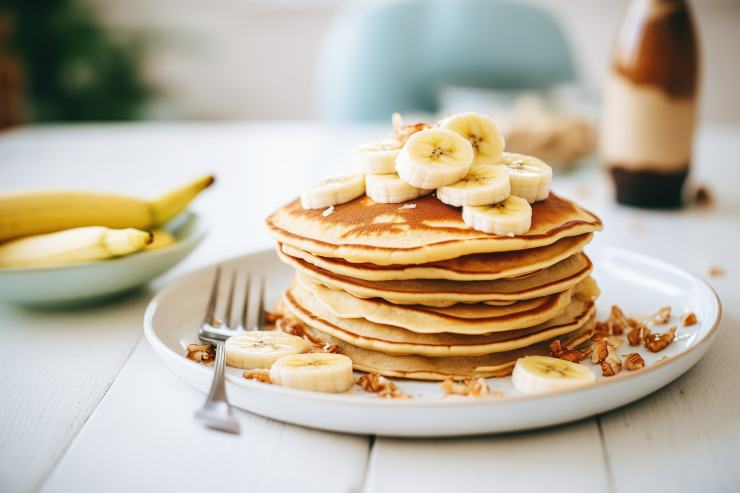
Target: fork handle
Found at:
x=216, y=412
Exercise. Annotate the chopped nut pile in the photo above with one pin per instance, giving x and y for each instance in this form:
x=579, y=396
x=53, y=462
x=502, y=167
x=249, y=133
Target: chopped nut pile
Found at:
x=375, y=383
x=608, y=337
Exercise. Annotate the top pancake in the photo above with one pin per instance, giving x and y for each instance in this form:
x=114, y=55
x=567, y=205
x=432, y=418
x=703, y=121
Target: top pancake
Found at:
x=419, y=231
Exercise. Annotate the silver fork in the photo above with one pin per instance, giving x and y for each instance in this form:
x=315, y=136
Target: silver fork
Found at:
x=215, y=329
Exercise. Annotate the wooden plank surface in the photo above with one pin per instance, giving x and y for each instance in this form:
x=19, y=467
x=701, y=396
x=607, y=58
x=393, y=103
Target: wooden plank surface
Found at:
x=143, y=437
x=56, y=368
x=58, y=365
x=566, y=459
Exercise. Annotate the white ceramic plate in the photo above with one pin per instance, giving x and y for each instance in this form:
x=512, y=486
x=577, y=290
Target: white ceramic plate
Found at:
x=639, y=284
x=89, y=282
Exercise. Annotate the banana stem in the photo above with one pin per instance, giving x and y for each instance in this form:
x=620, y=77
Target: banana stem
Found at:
x=172, y=203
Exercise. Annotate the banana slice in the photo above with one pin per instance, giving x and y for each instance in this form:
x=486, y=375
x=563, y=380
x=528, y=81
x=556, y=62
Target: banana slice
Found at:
x=481, y=132
x=260, y=349
x=333, y=191
x=434, y=158
x=538, y=374
x=377, y=156
x=320, y=372
x=511, y=217
x=390, y=189
x=530, y=177
x=483, y=185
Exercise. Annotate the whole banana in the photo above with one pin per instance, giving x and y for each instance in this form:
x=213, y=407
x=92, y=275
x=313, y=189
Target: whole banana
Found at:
x=72, y=246
x=37, y=212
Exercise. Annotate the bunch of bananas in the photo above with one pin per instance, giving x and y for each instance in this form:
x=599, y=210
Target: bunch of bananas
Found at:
x=45, y=228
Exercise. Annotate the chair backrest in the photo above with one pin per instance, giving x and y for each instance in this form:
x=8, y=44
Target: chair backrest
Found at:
x=394, y=56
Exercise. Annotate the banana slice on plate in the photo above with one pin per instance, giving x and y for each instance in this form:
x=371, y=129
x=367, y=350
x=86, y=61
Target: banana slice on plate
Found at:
x=261, y=348
x=377, y=156
x=434, y=158
x=512, y=216
x=538, y=374
x=333, y=191
x=390, y=189
x=530, y=177
x=483, y=185
x=320, y=372
x=481, y=132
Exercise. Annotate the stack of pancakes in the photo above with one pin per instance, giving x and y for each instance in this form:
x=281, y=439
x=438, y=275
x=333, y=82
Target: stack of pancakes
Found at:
x=408, y=290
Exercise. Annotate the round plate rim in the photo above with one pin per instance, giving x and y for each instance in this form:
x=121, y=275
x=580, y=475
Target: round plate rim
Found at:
x=160, y=345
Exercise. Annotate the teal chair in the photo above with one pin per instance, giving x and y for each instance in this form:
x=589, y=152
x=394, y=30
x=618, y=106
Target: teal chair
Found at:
x=395, y=56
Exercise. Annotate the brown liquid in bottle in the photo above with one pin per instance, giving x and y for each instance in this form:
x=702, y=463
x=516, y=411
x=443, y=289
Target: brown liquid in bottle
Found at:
x=650, y=104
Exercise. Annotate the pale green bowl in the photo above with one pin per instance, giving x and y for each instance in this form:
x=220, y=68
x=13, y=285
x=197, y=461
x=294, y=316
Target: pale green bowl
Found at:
x=86, y=283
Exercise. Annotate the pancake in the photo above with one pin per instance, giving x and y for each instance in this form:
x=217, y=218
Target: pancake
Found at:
x=416, y=232
x=476, y=267
x=469, y=319
x=556, y=278
x=394, y=340
x=426, y=368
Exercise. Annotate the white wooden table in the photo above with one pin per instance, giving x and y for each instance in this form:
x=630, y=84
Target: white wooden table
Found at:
x=86, y=406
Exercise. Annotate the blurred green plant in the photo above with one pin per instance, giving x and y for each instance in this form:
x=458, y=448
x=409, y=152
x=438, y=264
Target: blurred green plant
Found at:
x=72, y=68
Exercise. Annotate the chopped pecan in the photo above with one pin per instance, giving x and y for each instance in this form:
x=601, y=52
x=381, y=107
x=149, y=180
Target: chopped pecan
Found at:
x=326, y=348
x=658, y=342
x=374, y=382
x=601, y=330
x=259, y=375
x=572, y=355
x=330, y=348
x=600, y=351
x=402, y=131
x=477, y=388
x=615, y=341
x=662, y=316
x=611, y=365
x=635, y=335
x=272, y=317
x=703, y=196
x=634, y=362
x=689, y=319
x=293, y=327
x=617, y=322
x=201, y=353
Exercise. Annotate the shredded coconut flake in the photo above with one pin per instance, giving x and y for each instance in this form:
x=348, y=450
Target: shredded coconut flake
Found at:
x=328, y=211
x=408, y=206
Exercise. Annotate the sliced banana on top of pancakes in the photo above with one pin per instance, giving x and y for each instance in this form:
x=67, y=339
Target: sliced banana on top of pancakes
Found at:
x=510, y=217
x=481, y=132
x=434, y=158
x=530, y=177
x=462, y=158
x=483, y=185
x=333, y=191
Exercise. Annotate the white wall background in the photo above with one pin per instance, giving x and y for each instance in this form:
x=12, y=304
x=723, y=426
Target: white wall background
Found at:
x=223, y=59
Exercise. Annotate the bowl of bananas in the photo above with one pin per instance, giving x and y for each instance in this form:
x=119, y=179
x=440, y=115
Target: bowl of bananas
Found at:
x=65, y=248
